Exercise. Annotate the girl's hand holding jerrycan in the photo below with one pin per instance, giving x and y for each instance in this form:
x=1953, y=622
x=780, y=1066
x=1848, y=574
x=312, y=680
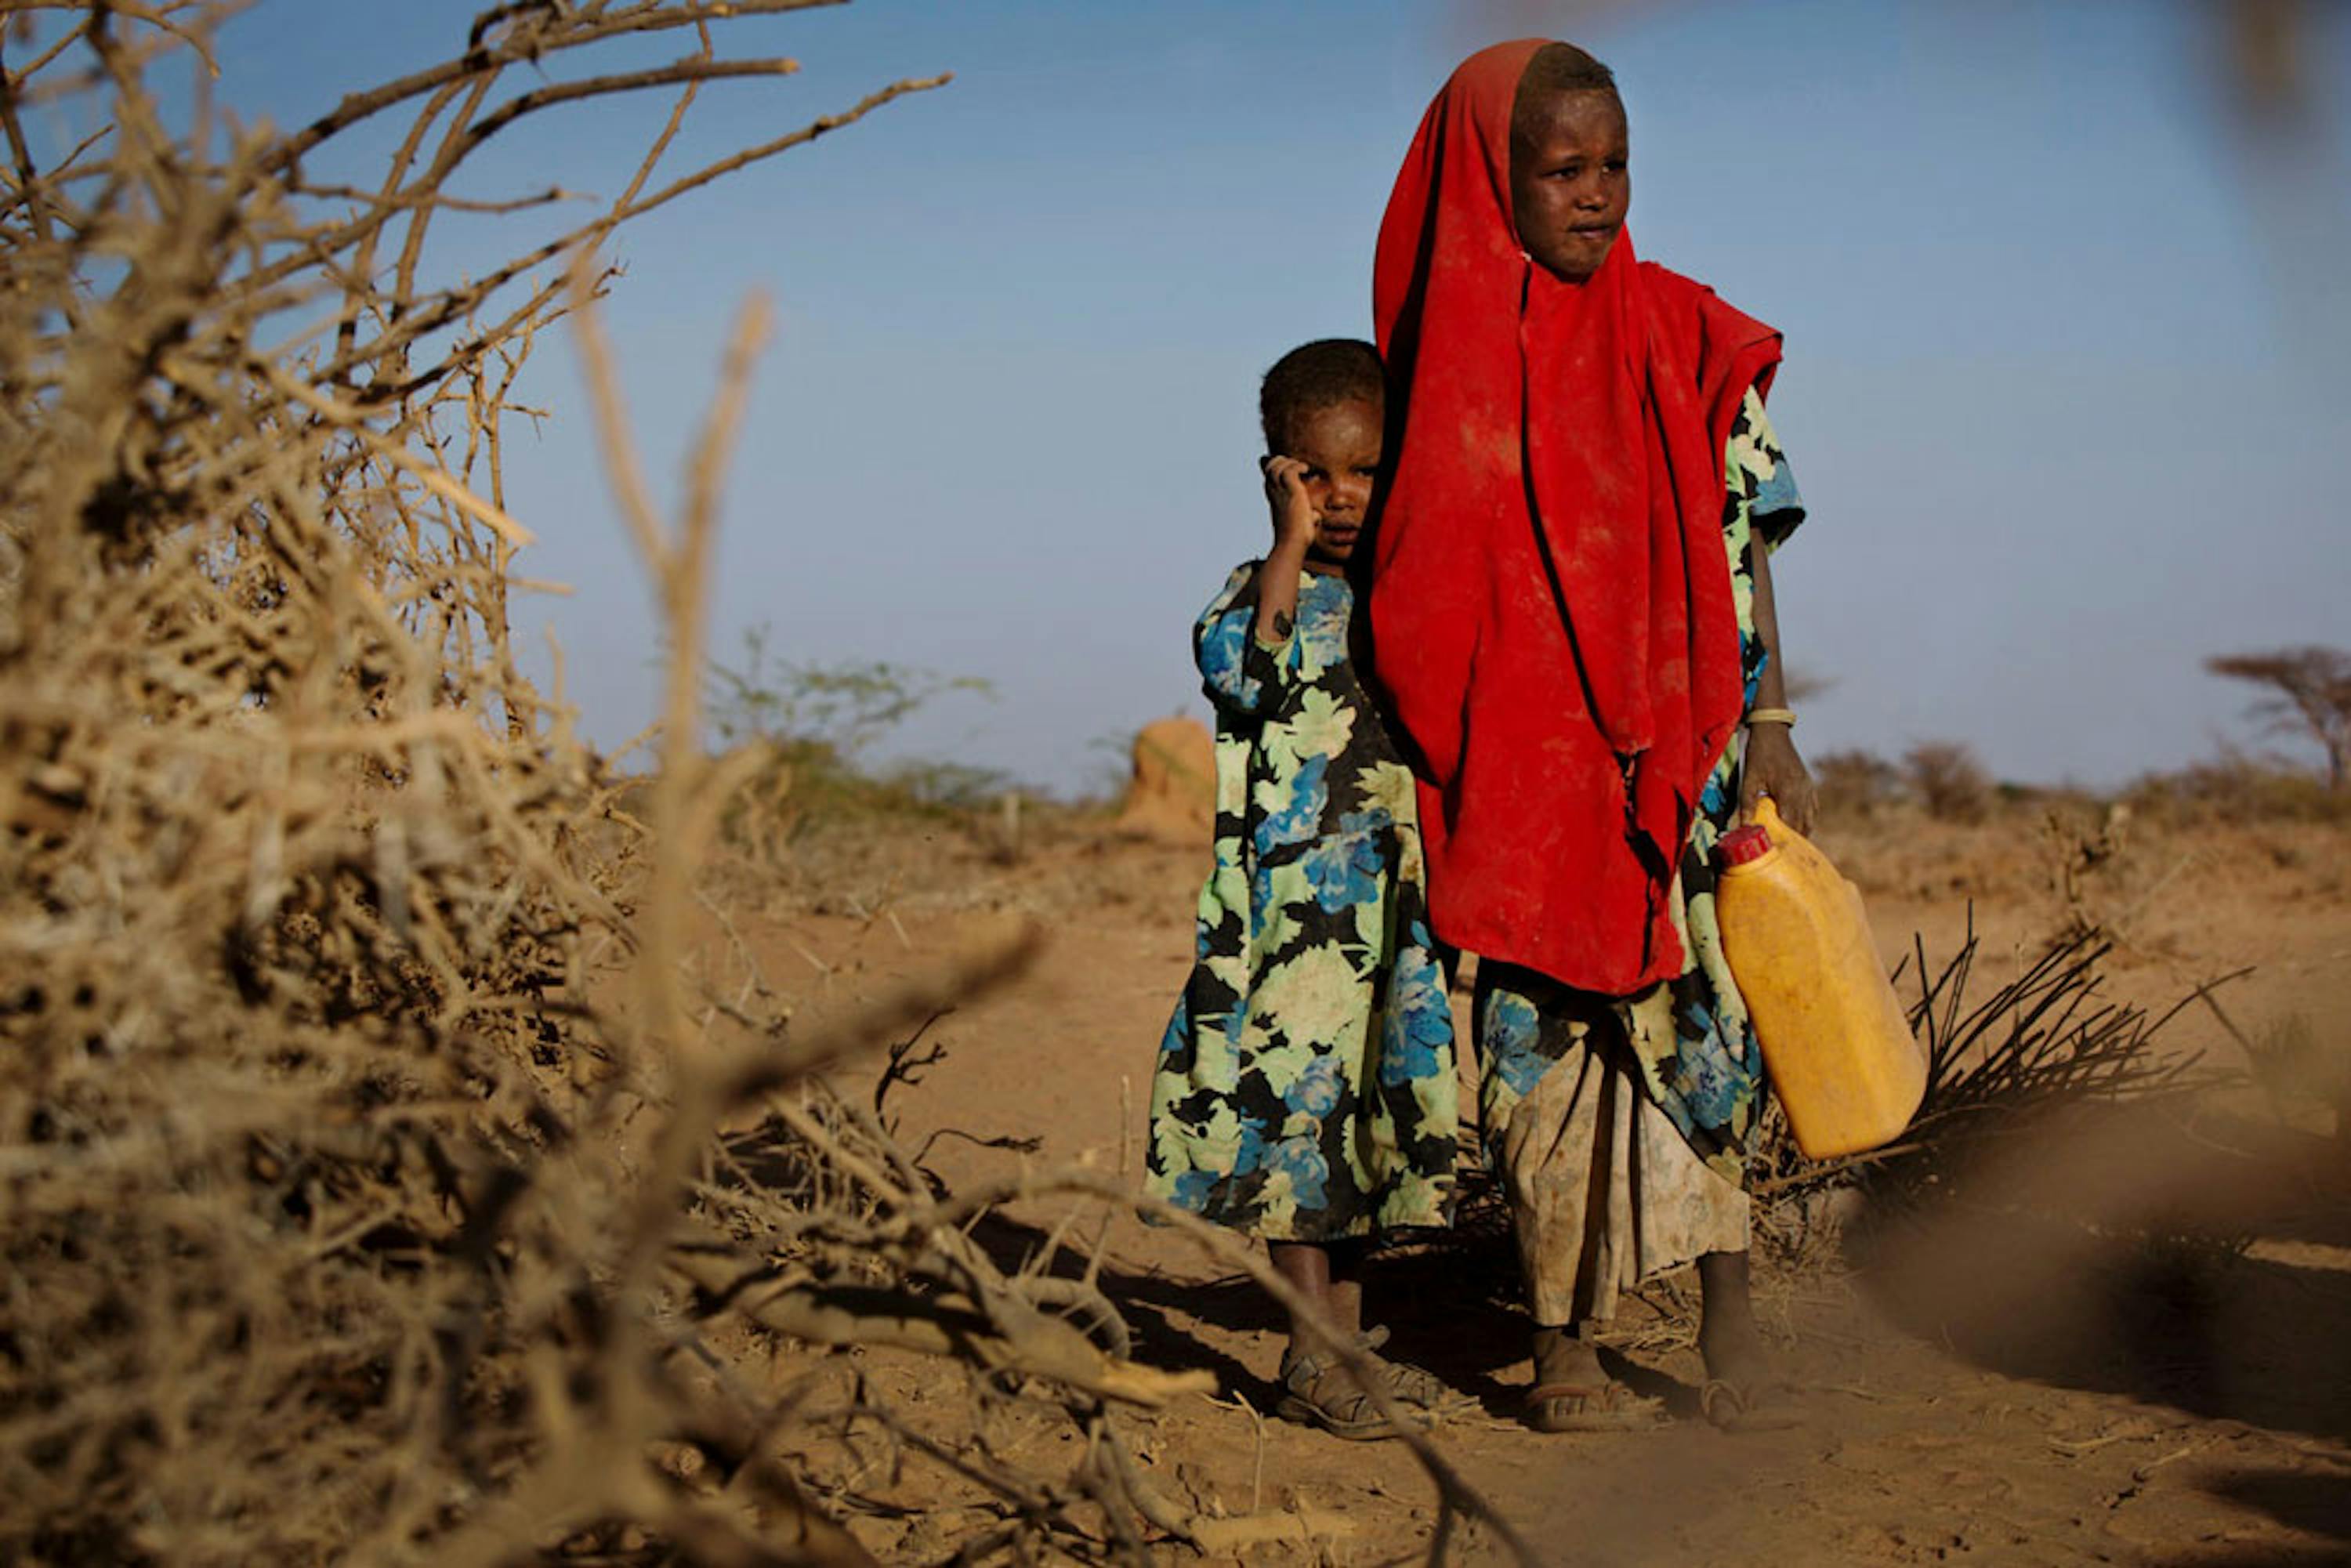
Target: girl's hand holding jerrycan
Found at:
x=1834, y=1040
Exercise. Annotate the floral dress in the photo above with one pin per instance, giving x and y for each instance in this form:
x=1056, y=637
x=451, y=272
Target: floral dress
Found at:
x=1305, y=1088
x=1697, y=1057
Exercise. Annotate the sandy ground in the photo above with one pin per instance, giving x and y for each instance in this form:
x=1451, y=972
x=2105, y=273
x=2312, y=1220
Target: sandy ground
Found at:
x=2132, y=1346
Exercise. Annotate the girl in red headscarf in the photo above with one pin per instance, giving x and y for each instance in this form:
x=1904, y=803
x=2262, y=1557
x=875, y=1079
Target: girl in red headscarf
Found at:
x=1572, y=608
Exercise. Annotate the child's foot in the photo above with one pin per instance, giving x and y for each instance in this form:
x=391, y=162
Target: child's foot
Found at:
x=1321, y=1390
x=1572, y=1393
x=1744, y=1391
x=1413, y=1385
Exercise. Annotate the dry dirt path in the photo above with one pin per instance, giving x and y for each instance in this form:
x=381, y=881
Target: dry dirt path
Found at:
x=1993, y=1393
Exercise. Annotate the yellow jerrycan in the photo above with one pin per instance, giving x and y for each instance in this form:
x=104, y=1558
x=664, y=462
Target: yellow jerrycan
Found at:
x=1839, y=1051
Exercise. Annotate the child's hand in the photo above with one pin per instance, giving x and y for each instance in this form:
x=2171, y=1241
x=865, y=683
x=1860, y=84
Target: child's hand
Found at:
x=1294, y=522
x=1772, y=767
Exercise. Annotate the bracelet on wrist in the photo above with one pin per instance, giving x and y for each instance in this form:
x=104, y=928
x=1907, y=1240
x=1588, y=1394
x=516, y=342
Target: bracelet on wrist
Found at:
x=1780, y=716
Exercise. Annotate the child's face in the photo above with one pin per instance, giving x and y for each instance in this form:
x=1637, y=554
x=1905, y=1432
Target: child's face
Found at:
x=1570, y=181
x=1340, y=444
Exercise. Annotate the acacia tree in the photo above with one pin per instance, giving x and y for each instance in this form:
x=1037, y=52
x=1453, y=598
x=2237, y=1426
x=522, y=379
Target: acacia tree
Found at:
x=2309, y=694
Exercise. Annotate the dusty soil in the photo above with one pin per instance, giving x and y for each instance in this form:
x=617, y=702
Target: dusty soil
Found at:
x=2126, y=1342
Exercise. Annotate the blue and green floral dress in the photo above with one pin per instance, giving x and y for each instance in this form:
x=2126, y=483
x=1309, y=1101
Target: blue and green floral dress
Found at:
x=1306, y=1087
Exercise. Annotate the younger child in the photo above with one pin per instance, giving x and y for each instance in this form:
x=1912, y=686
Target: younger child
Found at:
x=1305, y=1088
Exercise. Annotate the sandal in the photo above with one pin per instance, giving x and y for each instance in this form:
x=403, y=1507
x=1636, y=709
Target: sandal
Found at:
x=1767, y=1406
x=1608, y=1406
x=1407, y=1385
x=1348, y=1411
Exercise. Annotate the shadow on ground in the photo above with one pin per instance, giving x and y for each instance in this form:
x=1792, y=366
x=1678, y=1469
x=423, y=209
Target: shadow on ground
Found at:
x=1446, y=1305
x=2116, y=1253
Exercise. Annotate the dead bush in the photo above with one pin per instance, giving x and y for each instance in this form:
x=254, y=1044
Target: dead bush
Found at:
x=1855, y=785
x=1949, y=781
x=359, y=1122
x=2238, y=789
x=2044, y=1044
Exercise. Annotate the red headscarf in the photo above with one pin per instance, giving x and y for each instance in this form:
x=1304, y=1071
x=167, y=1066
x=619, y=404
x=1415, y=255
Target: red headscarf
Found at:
x=1550, y=596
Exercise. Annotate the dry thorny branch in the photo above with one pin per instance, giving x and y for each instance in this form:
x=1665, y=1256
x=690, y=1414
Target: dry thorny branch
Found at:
x=2046, y=1042
x=377, y=1186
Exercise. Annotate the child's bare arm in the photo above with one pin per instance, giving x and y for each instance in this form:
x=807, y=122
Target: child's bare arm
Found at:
x=1294, y=532
x=1772, y=765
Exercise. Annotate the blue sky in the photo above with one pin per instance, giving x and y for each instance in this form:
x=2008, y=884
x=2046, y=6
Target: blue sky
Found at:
x=2060, y=337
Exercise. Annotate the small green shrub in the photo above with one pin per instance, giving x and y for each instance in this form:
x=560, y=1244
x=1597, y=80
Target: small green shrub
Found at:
x=818, y=721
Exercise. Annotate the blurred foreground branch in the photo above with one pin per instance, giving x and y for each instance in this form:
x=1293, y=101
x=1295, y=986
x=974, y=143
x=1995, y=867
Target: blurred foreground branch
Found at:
x=377, y=1186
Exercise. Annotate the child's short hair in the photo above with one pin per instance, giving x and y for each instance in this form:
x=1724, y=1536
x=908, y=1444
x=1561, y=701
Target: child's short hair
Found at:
x=1554, y=71
x=1316, y=375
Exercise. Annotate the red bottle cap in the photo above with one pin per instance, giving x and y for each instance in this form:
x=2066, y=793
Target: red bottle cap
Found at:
x=1741, y=845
